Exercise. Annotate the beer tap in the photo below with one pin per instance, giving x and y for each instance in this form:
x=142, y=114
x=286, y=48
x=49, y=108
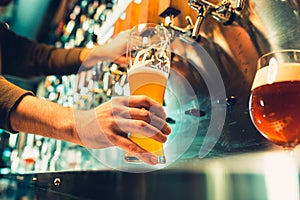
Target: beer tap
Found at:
x=224, y=12
x=169, y=22
x=168, y=10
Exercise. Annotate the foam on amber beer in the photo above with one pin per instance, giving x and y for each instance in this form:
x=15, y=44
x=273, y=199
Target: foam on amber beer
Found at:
x=151, y=82
x=274, y=103
x=279, y=73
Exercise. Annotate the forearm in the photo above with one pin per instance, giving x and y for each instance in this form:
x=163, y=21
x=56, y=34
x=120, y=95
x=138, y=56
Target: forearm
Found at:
x=111, y=51
x=23, y=57
x=42, y=117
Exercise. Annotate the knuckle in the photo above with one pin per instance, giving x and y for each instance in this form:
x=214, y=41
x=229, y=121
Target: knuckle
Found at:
x=163, y=138
x=163, y=125
x=141, y=124
x=113, y=139
x=144, y=98
x=121, y=100
x=133, y=148
x=145, y=114
x=116, y=110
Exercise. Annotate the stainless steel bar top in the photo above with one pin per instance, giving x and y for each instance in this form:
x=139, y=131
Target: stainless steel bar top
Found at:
x=272, y=174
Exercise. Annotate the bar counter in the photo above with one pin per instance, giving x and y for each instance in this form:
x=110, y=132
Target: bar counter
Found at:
x=266, y=174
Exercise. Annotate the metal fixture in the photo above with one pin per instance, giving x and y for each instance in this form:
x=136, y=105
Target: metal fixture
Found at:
x=169, y=22
x=223, y=12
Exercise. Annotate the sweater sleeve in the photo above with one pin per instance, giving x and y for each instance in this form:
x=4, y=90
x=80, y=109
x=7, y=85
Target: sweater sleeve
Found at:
x=10, y=95
x=24, y=58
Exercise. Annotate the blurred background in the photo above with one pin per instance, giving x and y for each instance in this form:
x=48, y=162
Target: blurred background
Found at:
x=233, y=33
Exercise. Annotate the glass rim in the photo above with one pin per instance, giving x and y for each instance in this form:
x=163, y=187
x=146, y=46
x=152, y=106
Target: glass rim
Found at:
x=263, y=60
x=162, y=30
x=135, y=28
x=148, y=23
x=278, y=51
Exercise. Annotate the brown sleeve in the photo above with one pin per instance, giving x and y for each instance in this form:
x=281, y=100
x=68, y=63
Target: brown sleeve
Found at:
x=10, y=96
x=24, y=58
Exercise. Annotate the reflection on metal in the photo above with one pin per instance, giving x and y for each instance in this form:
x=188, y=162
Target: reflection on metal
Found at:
x=195, y=112
x=57, y=181
x=238, y=4
x=169, y=22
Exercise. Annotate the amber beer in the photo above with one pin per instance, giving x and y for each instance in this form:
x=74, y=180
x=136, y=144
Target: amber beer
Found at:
x=275, y=105
x=150, y=82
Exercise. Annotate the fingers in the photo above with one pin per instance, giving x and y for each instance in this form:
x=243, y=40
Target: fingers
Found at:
x=150, y=118
x=136, y=150
x=149, y=123
x=142, y=128
x=142, y=101
x=142, y=115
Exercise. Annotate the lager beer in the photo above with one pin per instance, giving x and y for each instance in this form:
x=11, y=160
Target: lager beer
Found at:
x=149, y=58
x=150, y=82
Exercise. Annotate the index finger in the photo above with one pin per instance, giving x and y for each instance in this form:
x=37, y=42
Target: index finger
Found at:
x=142, y=101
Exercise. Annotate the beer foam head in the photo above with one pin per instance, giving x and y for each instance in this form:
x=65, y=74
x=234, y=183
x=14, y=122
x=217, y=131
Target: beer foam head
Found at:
x=147, y=70
x=276, y=73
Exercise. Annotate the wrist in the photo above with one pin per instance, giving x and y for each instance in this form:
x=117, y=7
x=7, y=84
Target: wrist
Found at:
x=84, y=54
x=70, y=127
x=91, y=56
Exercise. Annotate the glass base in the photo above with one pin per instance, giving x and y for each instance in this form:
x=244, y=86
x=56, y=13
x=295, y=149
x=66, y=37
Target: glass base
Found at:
x=133, y=159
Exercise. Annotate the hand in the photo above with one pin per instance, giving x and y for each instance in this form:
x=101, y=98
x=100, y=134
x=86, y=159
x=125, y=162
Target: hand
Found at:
x=111, y=51
x=109, y=124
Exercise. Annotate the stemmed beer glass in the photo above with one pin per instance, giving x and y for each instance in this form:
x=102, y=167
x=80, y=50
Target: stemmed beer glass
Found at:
x=275, y=98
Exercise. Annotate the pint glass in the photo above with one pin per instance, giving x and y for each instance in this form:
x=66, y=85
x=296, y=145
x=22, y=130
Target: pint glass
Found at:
x=148, y=55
